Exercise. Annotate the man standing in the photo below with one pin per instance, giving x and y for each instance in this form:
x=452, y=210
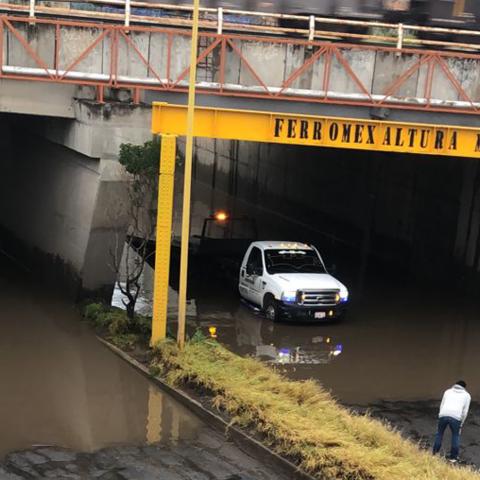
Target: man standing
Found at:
x=453, y=412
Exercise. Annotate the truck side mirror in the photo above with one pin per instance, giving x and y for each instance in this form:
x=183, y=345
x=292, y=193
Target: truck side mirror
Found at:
x=332, y=269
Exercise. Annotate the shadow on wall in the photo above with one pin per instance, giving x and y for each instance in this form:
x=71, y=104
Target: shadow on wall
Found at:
x=411, y=211
x=42, y=267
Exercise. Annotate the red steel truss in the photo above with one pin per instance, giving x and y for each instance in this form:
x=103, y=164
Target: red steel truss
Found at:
x=215, y=54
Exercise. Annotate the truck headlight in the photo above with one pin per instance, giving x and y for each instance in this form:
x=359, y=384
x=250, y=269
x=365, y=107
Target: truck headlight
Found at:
x=289, y=297
x=337, y=350
x=343, y=295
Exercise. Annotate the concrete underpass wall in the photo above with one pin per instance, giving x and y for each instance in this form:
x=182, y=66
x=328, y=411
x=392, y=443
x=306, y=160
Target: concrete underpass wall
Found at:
x=63, y=192
x=48, y=196
x=422, y=212
x=46, y=192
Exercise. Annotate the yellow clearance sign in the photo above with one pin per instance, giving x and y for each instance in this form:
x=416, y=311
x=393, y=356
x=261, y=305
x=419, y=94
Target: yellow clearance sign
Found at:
x=307, y=130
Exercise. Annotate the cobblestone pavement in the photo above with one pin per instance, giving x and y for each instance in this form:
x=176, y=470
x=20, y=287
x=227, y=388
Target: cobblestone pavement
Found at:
x=418, y=421
x=209, y=457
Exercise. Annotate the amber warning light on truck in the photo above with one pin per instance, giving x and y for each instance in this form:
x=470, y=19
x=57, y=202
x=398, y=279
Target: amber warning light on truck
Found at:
x=221, y=216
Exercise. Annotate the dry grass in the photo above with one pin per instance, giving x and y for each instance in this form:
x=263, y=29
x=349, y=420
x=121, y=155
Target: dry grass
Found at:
x=300, y=420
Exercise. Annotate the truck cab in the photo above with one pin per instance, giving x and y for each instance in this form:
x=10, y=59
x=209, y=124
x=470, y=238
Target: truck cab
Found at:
x=289, y=280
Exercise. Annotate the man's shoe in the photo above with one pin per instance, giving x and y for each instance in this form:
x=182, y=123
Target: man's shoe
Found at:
x=453, y=460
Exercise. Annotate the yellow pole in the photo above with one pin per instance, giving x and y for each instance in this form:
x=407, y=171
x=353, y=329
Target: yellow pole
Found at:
x=163, y=237
x=187, y=185
x=155, y=414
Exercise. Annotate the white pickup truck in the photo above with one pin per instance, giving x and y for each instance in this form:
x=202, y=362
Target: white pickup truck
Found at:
x=289, y=280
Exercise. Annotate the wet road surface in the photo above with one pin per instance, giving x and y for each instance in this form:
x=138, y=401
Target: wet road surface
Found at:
x=401, y=341
x=207, y=457
x=61, y=387
x=71, y=409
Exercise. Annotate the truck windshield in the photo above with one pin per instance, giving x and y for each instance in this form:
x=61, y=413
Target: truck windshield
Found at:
x=293, y=261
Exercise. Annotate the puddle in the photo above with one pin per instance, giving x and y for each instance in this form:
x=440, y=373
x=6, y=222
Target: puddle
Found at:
x=60, y=386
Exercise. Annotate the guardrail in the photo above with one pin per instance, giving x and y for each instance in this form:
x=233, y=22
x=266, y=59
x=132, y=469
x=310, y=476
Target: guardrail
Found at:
x=130, y=12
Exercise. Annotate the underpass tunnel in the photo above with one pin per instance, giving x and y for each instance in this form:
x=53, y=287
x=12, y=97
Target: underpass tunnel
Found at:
x=417, y=215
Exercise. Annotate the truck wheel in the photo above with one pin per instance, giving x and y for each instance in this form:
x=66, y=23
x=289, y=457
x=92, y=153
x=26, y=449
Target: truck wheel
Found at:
x=271, y=309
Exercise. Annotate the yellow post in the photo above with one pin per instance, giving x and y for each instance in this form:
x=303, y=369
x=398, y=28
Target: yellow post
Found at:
x=187, y=186
x=155, y=414
x=164, y=237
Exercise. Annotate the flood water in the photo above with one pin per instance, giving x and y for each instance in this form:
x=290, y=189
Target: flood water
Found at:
x=401, y=340
x=395, y=344
x=60, y=386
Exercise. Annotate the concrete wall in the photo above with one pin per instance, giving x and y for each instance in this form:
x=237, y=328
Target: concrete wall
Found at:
x=63, y=192
x=37, y=98
x=48, y=196
x=99, y=130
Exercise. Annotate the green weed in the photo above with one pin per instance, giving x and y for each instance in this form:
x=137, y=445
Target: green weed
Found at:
x=92, y=311
x=116, y=321
x=125, y=341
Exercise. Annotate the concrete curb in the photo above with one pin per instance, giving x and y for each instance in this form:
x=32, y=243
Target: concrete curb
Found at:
x=247, y=442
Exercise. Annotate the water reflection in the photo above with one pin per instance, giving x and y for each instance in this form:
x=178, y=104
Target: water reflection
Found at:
x=218, y=312
x=299, y=355
x=165, y=422
x=61, y=387
x=248, y=332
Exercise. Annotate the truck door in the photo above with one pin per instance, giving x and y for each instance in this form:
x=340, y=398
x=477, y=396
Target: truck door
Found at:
x=244, y=283
x=252, y=276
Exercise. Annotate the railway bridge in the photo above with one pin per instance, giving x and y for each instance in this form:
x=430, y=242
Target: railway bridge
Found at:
x=76, y=84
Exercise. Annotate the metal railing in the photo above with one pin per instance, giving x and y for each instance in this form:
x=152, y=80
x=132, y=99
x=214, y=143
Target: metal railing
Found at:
x=62, y=60
x=221, y=43
x=130, y=12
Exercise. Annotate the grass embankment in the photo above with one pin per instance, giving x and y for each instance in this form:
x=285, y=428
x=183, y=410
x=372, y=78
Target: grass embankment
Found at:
x=299, y=419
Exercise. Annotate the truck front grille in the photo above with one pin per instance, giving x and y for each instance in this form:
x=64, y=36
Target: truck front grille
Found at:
x=318, y=298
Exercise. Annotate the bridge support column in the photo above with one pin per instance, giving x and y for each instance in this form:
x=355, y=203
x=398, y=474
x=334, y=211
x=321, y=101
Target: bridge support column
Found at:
x=97, y=133
x=109, y=223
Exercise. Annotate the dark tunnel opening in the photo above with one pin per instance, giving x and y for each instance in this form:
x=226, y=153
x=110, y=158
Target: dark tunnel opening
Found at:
x=377, y=212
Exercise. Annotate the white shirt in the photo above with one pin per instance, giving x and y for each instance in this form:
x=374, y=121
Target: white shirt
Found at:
x=455, y=403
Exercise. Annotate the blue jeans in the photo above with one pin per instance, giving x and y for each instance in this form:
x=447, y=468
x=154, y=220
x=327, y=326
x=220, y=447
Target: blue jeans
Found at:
x=455, y=425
